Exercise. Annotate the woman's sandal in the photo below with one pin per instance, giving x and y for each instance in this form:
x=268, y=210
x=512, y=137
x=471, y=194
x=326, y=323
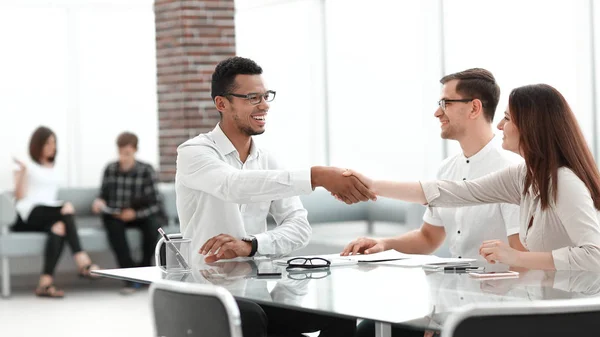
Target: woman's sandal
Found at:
x=85, y=272
x=49, y=291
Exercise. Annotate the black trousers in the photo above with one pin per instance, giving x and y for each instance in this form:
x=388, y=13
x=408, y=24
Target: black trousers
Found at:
x=366, y=328
x=41, y=219
x=263, y=320
x=254, y=319
x=115, y=231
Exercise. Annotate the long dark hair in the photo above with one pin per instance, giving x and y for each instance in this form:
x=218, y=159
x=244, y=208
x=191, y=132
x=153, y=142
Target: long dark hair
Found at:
x=550, y=138
x=38, y=140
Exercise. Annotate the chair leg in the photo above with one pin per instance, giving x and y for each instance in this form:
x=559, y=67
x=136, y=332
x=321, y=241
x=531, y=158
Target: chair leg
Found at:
x=5, y=277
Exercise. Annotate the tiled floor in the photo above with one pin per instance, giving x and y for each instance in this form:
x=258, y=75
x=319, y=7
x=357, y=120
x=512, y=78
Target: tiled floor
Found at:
x=97, y=309
x=93, y=310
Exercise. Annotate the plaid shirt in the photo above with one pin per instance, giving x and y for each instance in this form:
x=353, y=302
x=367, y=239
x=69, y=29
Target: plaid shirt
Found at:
x=135, y=189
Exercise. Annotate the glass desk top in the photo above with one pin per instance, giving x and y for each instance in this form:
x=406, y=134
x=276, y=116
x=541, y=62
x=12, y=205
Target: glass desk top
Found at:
x=389, y=294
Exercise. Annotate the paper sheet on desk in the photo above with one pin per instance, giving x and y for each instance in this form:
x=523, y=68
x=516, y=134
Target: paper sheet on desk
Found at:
x=423, y=260
x=388, y=255
x=335, y=259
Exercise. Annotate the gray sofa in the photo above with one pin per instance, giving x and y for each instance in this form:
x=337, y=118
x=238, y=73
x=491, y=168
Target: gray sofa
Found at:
x=90, y=229
x=322, y=208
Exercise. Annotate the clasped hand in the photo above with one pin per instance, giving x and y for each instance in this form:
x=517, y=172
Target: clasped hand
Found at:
x=498, y=251
x=348, y=186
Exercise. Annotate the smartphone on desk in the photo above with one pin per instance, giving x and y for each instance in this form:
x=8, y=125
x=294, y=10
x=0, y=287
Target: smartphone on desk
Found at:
x=495, y=274
x=270, y=272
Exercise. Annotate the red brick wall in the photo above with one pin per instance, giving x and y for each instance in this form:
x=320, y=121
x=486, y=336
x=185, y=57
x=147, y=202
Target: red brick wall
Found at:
x=192, y=36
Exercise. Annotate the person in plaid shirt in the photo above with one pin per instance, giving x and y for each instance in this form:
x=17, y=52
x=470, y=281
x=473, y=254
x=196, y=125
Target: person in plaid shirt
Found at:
x=129, y=199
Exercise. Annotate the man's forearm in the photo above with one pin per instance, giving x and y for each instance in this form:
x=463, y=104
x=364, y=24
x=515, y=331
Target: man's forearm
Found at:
x=250, y=186
x=292, y=234
x=319, y=176
x=414, y=242
x=315, y=176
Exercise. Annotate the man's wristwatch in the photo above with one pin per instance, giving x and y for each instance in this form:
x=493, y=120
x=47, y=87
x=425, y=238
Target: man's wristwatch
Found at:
x=253, y=241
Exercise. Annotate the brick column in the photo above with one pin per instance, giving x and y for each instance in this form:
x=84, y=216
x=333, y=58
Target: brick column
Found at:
x=192, y=36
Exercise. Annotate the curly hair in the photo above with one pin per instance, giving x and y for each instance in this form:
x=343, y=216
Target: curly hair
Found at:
x=223, y=79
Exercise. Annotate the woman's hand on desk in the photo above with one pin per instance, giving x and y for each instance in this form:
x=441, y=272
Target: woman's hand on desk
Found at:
x=497, y=251
x=363, y=245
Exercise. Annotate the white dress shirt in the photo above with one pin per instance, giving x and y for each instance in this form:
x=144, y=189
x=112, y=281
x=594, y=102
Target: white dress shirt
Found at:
x=218, y=194
x=467, y=227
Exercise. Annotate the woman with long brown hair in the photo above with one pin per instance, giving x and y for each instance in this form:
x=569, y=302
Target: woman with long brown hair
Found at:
x=557, y=188
x=36, y=188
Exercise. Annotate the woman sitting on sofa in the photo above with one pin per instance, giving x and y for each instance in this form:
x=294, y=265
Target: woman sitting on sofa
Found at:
x=36, y=189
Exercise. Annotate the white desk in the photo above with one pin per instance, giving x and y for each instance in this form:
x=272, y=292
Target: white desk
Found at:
x=385, y=294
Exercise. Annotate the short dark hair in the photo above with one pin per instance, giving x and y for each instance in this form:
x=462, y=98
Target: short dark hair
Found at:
x=477, y=83
x=127, y=138
x=223, y=78
x=38, y=140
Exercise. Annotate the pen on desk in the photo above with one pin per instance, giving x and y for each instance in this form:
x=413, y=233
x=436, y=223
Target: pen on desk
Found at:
x=174, y=249
x=462, y=268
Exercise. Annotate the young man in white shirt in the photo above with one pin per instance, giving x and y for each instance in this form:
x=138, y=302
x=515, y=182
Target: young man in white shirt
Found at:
x=466, y=112
x=226, y=186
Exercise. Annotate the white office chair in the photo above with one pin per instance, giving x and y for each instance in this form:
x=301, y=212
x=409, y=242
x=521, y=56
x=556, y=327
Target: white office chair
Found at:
x=198, y=310
x=555, y=318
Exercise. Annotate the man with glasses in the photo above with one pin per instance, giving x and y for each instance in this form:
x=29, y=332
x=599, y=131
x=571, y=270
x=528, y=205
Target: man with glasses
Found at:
x=226, y=186
x=466, y=112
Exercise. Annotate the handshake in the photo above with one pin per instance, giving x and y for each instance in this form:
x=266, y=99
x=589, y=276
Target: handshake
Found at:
x=346, y=185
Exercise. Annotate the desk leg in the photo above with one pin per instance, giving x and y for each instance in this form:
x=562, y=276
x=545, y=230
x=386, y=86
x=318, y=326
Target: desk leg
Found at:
x=383, y=329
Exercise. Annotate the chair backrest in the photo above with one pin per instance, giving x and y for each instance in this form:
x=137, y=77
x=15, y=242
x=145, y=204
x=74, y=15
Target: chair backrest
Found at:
x=167, y=192
x=322, y=207
x=188, y=309
x=539, y=318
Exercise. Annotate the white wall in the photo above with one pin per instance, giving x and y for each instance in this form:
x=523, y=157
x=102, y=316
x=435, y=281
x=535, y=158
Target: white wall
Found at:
x=285, y=38
x=384, y=68
x=363, y=79
x=87, y=70
x=382, y=61
x=366, y=87
x=525, y=42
